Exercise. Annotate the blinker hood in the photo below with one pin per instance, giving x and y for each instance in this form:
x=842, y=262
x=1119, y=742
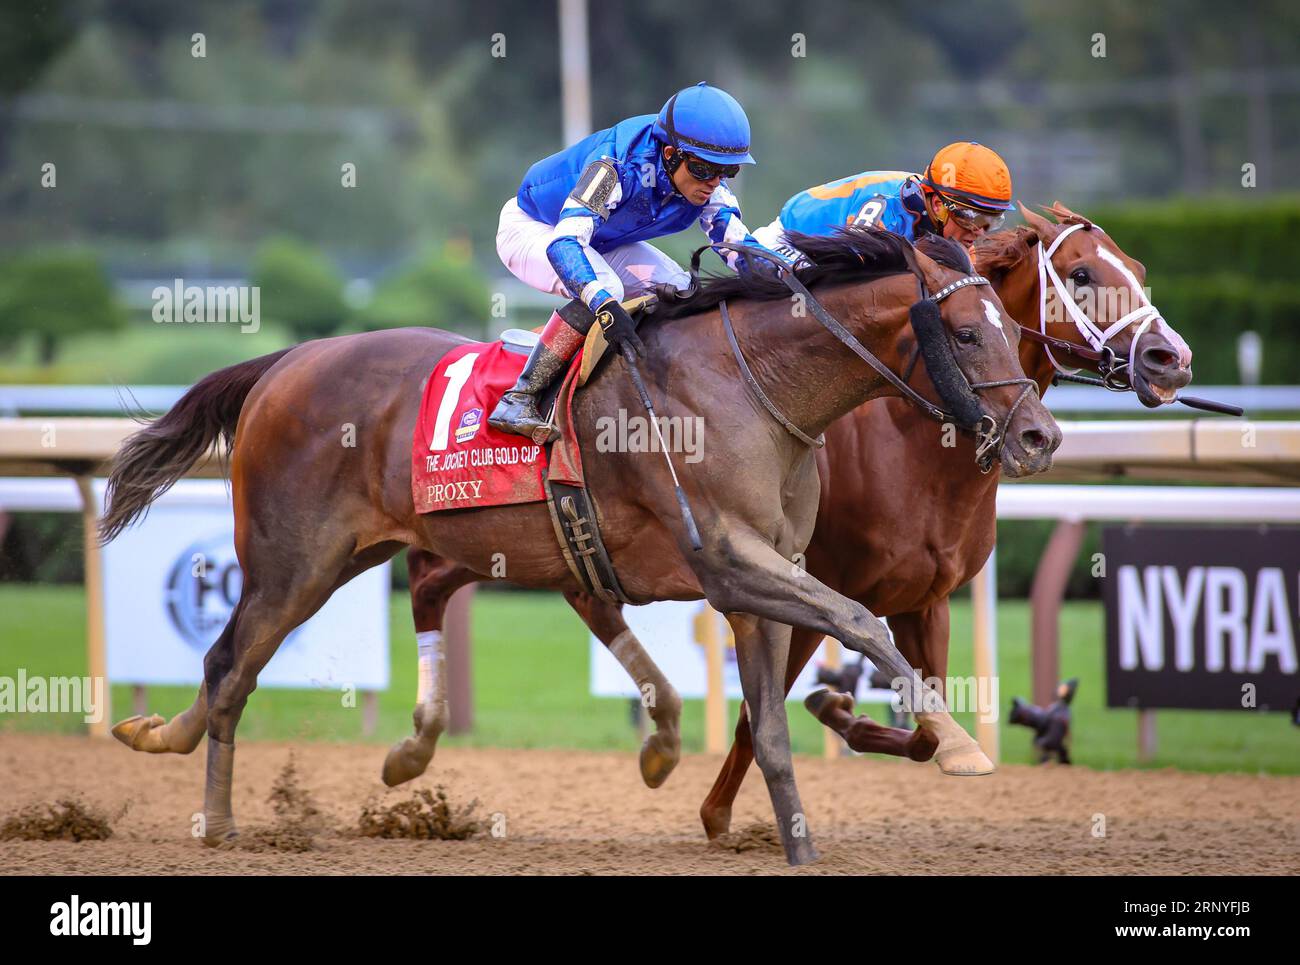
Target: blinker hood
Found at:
x=953, y=386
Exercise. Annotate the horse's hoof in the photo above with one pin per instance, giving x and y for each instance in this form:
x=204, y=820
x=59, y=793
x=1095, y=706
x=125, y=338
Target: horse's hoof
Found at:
x=220, y=832
x=404, y=762
x=822, y=703
x=967, y=761
x=958, y=754
x=227, y=840
x=659, y=755
x=716, y=821
x=801, y=852
x=141, y=733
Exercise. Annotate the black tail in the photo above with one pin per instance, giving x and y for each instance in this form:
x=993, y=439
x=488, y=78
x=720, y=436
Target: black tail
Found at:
x=151, y=460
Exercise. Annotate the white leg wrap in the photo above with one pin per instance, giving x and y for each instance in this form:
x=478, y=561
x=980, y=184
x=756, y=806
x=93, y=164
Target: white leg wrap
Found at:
x=627, y=649
x=429, y=646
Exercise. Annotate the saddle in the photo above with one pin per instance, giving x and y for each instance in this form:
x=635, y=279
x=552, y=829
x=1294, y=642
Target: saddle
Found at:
x=574, y=512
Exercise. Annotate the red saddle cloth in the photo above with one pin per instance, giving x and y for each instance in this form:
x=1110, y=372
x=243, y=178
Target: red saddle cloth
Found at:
x=458, y=461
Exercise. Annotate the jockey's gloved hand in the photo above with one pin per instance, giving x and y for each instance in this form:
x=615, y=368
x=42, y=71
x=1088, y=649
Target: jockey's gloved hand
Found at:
x=618, y=326
x=769, y=264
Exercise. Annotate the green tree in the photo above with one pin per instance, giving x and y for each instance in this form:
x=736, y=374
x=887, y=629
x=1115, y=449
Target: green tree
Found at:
x=439, y=287
x=300, y=287
x=54, y=294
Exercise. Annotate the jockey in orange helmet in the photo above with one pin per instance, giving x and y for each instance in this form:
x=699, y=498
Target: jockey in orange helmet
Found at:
x=964, y=192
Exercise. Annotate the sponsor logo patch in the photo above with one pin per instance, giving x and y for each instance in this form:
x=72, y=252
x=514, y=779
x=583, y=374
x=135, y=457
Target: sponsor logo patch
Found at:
x=469, y=425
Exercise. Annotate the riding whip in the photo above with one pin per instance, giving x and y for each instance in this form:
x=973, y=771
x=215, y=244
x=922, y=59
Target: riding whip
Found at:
x=688, y=518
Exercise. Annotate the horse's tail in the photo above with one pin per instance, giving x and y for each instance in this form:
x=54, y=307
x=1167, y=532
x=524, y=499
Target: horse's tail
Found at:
x=151, y=460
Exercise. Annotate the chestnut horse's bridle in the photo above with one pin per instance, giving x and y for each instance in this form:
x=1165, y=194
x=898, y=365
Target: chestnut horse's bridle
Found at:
x=989, y=432
x=1115, y=372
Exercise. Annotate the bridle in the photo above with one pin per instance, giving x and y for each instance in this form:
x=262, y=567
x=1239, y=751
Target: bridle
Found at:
x=988, y=431
x=1116, y=374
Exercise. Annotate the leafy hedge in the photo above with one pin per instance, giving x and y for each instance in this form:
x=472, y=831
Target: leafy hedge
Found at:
x=1217, y=268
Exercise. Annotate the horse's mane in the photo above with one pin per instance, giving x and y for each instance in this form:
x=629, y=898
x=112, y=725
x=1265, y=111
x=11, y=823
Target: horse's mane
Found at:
x=1002, y=251
x=946, y=252
x=850, y=252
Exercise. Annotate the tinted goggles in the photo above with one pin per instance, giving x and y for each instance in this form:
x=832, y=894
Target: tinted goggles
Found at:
x=973, y=219
x=702, y=170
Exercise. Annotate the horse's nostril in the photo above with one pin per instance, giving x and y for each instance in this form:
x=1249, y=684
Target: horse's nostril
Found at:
x=1159, y=358
x=1034, y=440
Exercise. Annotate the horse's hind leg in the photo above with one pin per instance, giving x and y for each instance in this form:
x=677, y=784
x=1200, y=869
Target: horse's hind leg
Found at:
x=180, y=735
x=284, y=584
x=662, y=749
x=433, y=581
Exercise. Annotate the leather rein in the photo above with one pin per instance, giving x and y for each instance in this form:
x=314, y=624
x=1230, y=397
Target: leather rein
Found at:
x=988, y=431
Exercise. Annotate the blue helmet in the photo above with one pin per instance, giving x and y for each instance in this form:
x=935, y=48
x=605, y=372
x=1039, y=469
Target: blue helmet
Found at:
x=707, y=122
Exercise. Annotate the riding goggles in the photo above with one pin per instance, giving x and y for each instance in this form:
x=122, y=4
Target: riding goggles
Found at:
x=702, y=170
x=973, y=219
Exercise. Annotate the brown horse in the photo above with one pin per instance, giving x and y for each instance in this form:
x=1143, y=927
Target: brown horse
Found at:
x=932, y=516
x=934, y=520
x=311, y=512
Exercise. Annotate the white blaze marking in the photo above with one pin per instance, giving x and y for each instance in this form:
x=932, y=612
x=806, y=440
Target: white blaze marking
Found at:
x=1159, y=324
x=1109, y=256
x=995, y=318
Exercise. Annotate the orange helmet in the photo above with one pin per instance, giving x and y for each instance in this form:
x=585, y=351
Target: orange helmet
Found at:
x=970, y=174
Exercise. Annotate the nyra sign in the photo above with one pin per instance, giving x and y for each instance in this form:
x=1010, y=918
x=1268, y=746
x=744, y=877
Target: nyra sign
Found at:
x=1202, y=617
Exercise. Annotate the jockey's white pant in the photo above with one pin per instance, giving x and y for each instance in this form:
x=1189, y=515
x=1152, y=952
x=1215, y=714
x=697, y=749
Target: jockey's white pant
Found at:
x=623, y=272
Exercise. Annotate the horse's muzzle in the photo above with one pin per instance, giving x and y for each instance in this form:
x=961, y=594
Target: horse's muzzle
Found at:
x=1030, y=441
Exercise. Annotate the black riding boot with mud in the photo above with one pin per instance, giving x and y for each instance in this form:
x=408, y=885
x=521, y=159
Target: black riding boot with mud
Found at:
x=517, y=411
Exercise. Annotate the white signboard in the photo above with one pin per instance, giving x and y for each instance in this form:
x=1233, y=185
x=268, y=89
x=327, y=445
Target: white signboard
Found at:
x=670, y=633
x=171, y=582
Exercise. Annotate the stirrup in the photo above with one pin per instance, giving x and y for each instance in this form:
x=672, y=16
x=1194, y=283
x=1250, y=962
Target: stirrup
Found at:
x=529, y=422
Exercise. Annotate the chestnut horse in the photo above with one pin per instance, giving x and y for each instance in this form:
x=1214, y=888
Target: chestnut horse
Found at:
x=903, y=523
x=312, y=513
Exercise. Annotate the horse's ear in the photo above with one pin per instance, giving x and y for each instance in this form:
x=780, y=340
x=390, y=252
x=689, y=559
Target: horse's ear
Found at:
x=1064, y=215
x=930, y=270
x=1043, y=228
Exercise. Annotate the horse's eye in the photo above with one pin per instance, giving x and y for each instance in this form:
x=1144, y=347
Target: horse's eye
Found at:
x=965, y=335
x=1080, y=276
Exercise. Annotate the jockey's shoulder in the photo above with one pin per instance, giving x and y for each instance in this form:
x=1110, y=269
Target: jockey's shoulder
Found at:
x=626, y=145
x=873, y=182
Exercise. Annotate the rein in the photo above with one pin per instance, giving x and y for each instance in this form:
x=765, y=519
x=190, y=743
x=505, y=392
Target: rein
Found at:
x=988, y=432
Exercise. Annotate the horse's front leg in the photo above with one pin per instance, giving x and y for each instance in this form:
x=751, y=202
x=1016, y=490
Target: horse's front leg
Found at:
x=922, y=637
x=762, y=650
x=715, y=812
x=746, y=574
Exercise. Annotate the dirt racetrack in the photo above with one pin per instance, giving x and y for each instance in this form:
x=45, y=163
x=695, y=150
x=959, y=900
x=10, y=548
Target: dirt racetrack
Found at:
x=569, y=812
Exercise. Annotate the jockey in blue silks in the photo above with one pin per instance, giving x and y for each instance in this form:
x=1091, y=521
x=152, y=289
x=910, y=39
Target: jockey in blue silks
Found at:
x=582, y=219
